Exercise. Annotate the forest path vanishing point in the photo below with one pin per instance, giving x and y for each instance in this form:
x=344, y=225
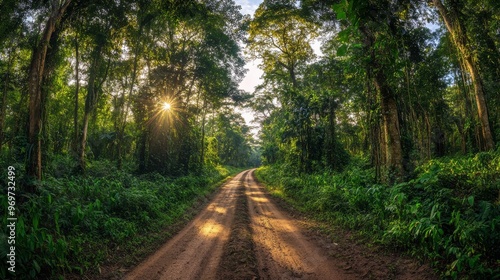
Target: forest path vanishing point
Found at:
x=242, y=234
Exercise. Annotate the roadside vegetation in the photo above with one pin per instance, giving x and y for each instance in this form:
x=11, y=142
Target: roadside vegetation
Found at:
x=448, y=213
x=78, y=224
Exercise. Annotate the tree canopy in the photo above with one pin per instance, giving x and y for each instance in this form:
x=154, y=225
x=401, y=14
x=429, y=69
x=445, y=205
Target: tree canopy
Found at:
x=382, y=86
x=108, y=66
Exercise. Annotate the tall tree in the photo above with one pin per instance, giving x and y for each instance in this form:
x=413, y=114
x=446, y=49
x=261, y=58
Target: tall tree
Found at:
x=379, y=26
x=281, y=36
x=6, y=84
x=97, y=75
x=35, y=77
x=101, y=34
x=458, y=32
x=76, y=132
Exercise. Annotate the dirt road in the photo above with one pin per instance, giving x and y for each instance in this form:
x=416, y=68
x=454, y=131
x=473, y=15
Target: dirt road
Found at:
x=242, y=234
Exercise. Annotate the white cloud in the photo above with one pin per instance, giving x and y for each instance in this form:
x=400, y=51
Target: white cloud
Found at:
x=248, y=6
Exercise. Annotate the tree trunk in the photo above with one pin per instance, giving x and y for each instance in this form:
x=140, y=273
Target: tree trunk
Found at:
x=394, y=152
x=48, y=79
x=121, y=130
x=390, y=136
x=77, y=92
x=90, y=103
x=428, y=135
x=142, y=118
x=35, y=77
x=3, y=107
x=83, y=142
x=293, y=77
x=391, y=149
x=374, y=133
x=202, y=154
x=460, y=40
x=331, y=143
x=142, y=150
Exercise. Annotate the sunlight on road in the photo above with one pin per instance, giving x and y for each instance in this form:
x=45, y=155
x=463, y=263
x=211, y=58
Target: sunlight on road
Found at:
x=219, y=210
x=211, y=228
x=259, y=199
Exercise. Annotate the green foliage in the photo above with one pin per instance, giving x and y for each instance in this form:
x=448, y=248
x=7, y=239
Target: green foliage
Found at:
x=73, y=224
x=104, y=79
x=449, y=213
x=230, y=143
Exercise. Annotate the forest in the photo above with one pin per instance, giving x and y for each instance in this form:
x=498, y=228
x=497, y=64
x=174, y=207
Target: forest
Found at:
x=379, y=116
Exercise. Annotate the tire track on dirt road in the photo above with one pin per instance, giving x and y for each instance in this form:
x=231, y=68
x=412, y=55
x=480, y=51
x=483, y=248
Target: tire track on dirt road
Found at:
x=238, y=261
x=283, y=252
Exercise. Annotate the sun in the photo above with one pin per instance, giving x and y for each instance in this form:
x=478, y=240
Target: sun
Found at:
x=166, y=106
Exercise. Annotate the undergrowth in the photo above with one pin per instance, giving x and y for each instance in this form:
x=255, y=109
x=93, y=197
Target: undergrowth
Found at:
x=449, y=213
x=74, y=224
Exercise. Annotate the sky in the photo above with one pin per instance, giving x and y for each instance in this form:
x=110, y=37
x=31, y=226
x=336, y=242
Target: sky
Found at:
x=252, y=77
x=248, y=6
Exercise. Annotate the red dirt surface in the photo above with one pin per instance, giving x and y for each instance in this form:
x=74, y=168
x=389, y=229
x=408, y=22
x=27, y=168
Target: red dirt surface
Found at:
x=244, y=234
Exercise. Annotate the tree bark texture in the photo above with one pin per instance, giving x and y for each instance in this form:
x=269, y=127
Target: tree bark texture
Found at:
x=93, y=88
x=459, y=36
x=331, y=136
x=391, y=149
x=3, y=105
x=394, y=152
x=77, y=92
